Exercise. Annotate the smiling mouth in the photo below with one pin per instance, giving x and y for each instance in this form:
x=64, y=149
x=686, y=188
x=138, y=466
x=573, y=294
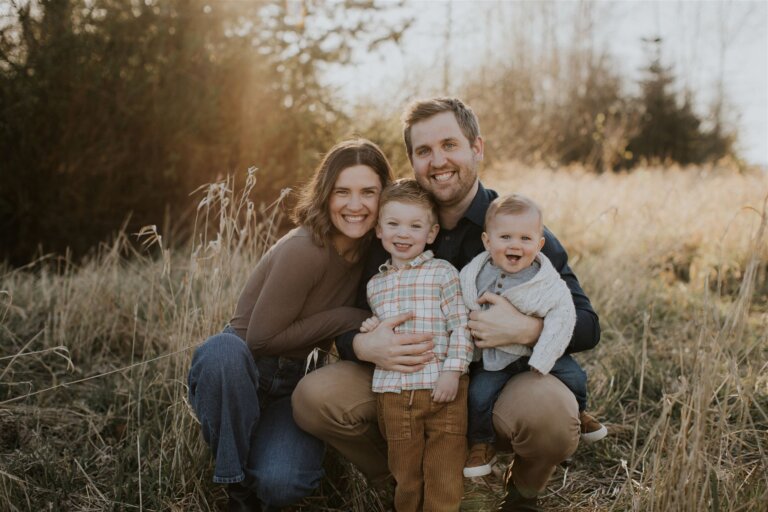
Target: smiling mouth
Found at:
x=354, y=219
x=401, y=246
x=513, y=258
x=441, y=177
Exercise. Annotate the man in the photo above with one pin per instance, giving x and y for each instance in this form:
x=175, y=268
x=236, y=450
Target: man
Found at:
x=535, y=414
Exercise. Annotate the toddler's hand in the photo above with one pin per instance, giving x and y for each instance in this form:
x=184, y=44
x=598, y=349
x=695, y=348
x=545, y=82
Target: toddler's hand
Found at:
x=370, y=324
x=447, y=387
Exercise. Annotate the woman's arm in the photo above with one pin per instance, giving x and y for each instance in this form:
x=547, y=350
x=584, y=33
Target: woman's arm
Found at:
x=275, y=325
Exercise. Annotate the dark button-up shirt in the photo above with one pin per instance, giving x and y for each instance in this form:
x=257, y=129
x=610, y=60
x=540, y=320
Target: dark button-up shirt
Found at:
x=462, y=243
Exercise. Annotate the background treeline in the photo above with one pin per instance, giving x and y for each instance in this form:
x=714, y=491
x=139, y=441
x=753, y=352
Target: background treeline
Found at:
x=112, y=112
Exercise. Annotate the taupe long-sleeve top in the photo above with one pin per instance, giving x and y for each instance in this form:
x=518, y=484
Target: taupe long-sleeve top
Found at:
x=300, y=296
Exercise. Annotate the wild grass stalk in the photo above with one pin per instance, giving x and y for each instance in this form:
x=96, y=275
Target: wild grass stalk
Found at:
x=94, y=355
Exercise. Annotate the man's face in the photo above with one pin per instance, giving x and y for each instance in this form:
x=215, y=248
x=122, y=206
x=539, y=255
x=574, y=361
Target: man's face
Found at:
x=443, y=160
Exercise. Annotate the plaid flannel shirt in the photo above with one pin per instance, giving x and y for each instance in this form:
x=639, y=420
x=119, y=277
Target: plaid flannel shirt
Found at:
x=430, y=288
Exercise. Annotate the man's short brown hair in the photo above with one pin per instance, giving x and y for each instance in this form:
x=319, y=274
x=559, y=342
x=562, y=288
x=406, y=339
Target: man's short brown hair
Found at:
x=420, y=110
x=513, y=204
x=408, y=191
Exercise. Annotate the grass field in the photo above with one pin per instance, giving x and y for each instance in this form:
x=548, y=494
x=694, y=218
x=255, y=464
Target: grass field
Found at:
x=94, y=356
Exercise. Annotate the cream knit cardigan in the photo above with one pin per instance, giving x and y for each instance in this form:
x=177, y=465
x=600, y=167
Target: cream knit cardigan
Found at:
x=545, y=296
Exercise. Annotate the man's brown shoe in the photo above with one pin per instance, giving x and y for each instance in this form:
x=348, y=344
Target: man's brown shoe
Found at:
x=480, y=459
x=514, y=501
x=591, y=429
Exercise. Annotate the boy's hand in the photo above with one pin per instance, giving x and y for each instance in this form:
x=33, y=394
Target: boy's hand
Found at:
x=447, y=387
x=370, y=324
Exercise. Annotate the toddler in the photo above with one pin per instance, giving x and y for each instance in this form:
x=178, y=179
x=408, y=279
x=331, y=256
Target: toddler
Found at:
x=513, y=267
x=422, y=415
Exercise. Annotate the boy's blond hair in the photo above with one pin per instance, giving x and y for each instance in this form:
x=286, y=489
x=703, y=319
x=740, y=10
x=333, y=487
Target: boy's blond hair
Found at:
x=408, y=191
x=513, y=204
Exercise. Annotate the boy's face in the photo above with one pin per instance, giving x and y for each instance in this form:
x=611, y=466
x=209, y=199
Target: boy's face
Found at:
x=405, y=229
x=513, y=240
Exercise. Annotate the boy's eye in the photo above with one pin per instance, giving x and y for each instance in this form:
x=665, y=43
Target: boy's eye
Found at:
x=391, y=223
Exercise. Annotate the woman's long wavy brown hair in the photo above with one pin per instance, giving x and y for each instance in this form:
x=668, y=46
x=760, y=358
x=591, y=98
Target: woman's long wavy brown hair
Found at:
x=312, y=207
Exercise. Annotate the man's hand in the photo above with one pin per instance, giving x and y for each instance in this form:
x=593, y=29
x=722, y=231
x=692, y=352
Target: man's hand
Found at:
x=446, y=387
x=369, y=324
x=406, y=353
x=503, y=324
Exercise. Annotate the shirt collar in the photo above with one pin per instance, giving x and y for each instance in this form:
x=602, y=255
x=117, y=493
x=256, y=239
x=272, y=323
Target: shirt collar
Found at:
x=415, y=262
x=479, y=205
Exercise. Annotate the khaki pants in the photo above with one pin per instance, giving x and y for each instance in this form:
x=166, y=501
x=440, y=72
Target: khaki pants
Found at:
x=426, y=446
x=535, y=414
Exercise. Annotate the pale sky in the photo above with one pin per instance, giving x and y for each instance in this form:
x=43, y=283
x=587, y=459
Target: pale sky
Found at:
x=694, y=33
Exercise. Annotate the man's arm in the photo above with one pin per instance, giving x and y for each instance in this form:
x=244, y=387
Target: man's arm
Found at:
x=586, y=333
x=383, y=347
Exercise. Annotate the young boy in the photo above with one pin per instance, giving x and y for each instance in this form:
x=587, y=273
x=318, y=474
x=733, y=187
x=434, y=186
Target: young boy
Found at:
x=513, y=267
x=422, y=415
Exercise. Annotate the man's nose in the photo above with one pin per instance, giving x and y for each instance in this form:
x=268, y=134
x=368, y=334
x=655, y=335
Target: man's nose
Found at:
x=438, y=158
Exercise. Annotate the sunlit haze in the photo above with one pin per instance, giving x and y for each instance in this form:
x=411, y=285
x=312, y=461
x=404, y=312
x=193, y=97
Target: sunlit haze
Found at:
x=701, y=41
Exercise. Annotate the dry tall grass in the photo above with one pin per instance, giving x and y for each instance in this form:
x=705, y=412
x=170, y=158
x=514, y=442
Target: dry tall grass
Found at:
x=94, y=356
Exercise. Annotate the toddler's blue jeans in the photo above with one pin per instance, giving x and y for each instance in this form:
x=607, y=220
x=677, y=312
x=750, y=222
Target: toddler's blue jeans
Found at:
x=485, y=386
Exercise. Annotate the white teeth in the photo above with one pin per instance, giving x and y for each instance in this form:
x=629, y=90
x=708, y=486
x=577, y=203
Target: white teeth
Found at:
x=354, y=218
x=442, y=177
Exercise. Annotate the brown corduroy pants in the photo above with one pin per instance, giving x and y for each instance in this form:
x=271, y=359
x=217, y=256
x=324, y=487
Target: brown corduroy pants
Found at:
x=426, y=448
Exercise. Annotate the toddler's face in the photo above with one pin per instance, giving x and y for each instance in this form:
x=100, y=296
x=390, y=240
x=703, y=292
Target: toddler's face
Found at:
x=514, y=240
x=405, y=229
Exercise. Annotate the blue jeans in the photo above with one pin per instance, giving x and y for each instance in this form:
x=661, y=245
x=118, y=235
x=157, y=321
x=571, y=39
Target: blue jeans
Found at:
x=485, y=386
x=244, y=408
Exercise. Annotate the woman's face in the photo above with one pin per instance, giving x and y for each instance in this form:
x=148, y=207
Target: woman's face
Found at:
x=354, y=202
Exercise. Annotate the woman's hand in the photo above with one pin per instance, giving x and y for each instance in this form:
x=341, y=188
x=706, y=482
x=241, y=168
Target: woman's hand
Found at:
x=503, y=324
x=446, y=387
x=406, y=353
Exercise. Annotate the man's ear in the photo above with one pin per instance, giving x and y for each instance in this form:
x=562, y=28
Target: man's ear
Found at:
x=433, y=231
x=478, y=147
x=486, y=241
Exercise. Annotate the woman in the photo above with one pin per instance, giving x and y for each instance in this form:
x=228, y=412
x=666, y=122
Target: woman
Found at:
x=298, y=298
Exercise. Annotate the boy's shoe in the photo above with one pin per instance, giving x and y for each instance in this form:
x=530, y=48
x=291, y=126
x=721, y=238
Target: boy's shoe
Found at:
x=514, y=501
x=591, y=429
x=480, y=459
